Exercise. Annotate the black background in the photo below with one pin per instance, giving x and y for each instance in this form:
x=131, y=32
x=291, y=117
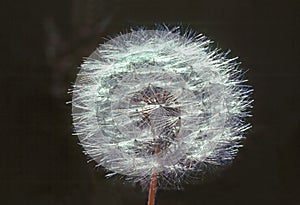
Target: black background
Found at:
x=42, y=44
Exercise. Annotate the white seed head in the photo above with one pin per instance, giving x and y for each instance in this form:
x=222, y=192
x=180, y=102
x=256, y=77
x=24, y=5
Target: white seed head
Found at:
x=158, y=101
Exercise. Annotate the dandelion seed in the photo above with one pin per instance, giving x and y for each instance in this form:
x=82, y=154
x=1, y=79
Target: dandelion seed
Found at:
x=157, y=106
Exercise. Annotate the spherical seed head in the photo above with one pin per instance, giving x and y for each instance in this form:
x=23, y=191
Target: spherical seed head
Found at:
x=158, y=101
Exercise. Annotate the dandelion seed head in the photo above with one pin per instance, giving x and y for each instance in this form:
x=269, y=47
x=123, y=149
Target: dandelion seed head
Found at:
x=160, y=101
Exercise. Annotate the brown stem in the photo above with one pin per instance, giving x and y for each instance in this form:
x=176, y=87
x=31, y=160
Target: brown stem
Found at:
x=152, y=189
x=153, y=182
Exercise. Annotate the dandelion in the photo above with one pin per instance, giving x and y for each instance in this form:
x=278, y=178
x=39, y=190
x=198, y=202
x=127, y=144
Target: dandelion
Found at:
x=159, y=106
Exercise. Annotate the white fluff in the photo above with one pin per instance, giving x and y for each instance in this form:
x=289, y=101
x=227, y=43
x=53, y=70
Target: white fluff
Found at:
x=195, y=118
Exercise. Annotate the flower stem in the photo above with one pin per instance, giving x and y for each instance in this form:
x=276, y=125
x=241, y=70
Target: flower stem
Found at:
x=153, y=182
x=152, y=189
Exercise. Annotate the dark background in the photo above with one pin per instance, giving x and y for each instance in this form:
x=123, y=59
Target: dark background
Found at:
x=42, y=44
